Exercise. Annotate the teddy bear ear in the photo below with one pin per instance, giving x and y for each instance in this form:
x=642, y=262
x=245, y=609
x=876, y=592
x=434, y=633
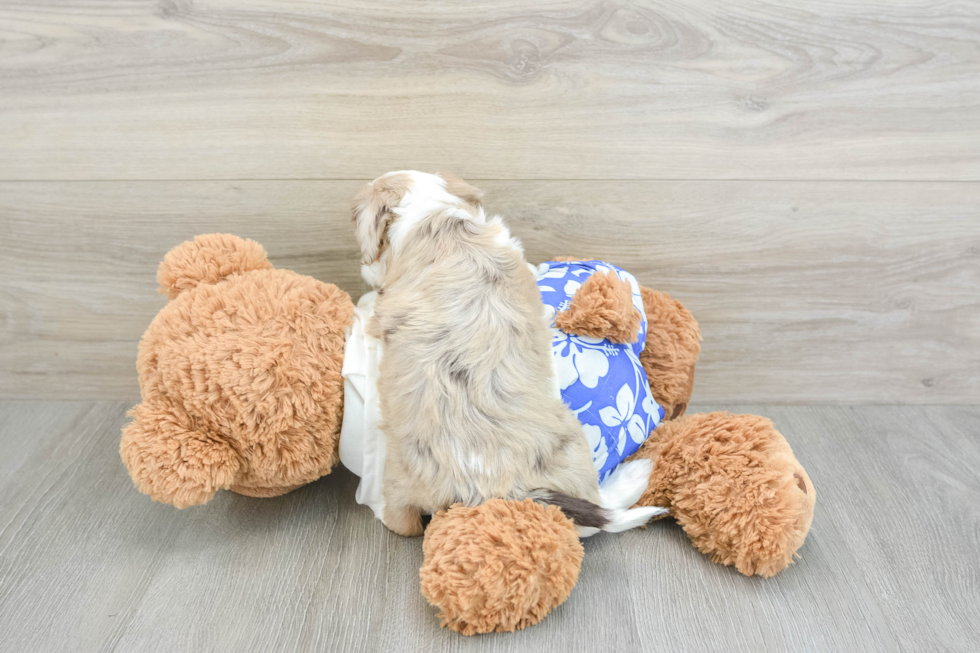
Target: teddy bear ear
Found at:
x=208, y=259
x=173, y=463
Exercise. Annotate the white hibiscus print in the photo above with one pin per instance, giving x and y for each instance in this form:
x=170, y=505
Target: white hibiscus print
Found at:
x=623, y=417
x=577, y=362
x=544, y=272
x=648, y=405
x=597, y=444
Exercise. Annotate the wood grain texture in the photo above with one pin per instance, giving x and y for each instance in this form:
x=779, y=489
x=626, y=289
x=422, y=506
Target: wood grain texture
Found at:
x=842, y=292
x=214, y=89
x=89, y=564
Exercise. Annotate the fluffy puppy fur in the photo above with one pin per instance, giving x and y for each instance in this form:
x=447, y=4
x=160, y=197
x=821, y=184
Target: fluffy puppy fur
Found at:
x=465, y=382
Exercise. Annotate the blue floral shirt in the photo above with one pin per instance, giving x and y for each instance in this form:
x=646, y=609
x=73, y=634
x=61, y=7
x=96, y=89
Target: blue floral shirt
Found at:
x=602, y=382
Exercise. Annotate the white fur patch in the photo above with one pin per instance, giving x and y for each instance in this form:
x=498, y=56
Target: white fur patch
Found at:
x=373, y=274
x=625, y=485
x=427, y=196
x=622, y=489
x=505, y=239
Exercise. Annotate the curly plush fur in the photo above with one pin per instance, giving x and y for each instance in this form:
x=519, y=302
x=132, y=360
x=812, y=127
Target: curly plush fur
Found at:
x=239, y=376
x=602, y=308
x=529, y=557
x=208, y=259
x=733, y=484
x=671, y=351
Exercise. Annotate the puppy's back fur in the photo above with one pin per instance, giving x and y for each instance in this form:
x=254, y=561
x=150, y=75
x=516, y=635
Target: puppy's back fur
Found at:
x=465, y=382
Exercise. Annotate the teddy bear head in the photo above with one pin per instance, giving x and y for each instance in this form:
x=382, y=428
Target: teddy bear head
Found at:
x=240, y=377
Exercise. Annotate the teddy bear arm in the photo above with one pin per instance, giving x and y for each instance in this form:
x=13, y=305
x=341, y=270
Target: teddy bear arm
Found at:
x=602, y=308
x=671, y=351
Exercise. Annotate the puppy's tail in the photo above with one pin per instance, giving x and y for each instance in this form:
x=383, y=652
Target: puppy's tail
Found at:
x=621, y=490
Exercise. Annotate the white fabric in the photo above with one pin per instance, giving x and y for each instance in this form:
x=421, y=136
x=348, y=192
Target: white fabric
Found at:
x=362, y=444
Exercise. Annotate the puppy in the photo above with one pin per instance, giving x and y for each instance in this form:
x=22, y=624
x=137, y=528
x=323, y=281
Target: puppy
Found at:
x=468, y=402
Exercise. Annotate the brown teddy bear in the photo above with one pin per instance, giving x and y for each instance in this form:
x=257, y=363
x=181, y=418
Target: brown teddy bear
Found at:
x=242, y=385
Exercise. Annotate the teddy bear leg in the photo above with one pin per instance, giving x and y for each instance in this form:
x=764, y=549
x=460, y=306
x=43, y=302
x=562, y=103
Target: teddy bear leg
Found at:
x=171, y=461
x=501, y=566
x=733, y=484
x=671, y=351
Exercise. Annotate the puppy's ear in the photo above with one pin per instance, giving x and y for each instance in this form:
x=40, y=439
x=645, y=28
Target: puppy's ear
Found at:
x=459, y=188
x=372, y=211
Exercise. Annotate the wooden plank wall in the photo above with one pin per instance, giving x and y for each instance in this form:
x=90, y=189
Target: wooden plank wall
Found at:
x=804, y=176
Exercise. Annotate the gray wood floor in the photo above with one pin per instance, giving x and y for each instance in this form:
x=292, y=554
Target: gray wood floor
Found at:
x=89, y=564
